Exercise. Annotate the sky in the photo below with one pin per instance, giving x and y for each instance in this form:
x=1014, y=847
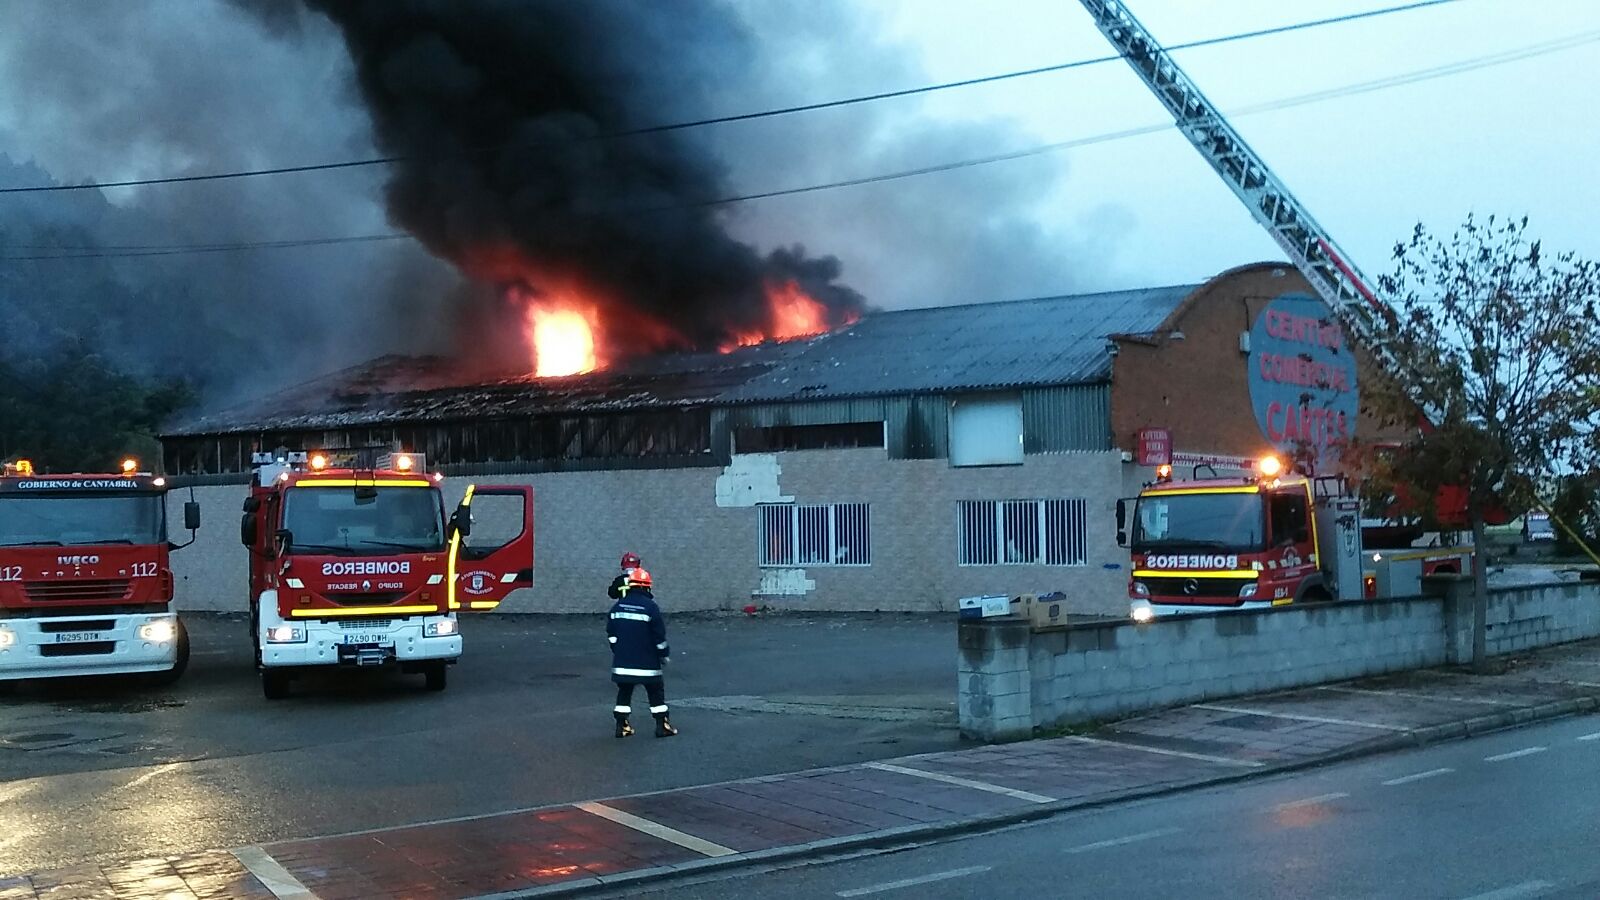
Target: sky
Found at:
x=156, y=87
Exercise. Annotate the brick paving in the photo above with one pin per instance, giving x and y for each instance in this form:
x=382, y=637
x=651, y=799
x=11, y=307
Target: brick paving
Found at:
x=585, y=844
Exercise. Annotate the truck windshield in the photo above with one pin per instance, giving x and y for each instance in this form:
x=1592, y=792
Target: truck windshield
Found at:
x=338, y=520
x=72, y=520
x=1214, y=521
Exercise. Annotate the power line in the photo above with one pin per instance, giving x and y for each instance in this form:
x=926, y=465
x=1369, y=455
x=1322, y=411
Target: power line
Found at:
x=749, y=116
x=1355, y=88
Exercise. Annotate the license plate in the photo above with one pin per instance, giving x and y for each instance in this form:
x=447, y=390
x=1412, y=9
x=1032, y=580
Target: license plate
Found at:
x=78, y=637
x=360, y=638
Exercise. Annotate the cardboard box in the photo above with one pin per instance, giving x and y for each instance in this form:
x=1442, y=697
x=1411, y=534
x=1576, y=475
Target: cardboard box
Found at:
x=984, y=607
x=1044, y=610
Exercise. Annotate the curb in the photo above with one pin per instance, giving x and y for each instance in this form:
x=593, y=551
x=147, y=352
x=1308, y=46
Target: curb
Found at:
x=906, y=834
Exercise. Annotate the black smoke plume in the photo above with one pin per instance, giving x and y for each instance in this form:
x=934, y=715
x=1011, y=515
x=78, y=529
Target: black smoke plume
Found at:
x=506, y=115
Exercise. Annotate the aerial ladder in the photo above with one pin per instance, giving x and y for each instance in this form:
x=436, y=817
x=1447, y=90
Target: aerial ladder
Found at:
x=1330, y=271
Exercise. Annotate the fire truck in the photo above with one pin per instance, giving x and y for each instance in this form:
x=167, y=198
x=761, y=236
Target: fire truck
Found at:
x=1267, y=538
x=353, y=562
x=85, y=585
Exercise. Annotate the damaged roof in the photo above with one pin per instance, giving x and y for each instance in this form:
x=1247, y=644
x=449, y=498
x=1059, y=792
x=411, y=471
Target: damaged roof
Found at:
x=1042, y=341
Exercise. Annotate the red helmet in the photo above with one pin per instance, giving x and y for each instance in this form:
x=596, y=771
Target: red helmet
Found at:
x=630, y=560
x=639, y=578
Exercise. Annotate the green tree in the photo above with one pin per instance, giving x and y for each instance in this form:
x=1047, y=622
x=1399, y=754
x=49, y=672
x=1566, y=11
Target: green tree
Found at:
x=1497, y=343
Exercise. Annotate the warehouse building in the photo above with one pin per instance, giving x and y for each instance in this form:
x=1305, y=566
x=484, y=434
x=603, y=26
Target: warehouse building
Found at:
x=913, y=458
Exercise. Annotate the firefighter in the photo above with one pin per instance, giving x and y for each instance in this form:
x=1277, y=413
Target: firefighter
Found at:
x=630, y=561
x=638, y=636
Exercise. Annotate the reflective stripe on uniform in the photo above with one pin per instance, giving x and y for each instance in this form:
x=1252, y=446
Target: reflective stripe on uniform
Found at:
x=662, y=645
x=658, y=710
x=612, y=639
x=632, y=617
x=622, y=709
x=637, y=673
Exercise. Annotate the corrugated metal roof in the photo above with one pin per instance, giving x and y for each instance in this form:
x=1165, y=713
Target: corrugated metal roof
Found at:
x=1048, y=340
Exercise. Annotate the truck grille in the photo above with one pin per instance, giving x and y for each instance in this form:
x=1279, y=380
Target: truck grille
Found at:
x=364, y=624
x=77, y=591
x=87, y=648
x=1196, y=590
x=383, y=599
x=49, y=627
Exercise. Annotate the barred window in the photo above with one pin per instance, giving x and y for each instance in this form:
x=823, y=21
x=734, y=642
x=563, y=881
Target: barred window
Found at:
x=1022, y=532
x=827, y=534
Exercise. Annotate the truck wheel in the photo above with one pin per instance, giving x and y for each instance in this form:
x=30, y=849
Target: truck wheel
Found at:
x=275, y=684
x=170, y=676
x=437, y=675
x=1317, y=595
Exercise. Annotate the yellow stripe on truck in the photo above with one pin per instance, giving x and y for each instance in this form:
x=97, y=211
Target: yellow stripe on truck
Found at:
x=360, y=611
x=1179, y=573
x=365, y=482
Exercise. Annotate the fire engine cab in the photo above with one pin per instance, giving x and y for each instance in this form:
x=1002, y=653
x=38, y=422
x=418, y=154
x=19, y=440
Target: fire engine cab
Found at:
x=353, y=562
x=1268, y=538
x=85, y=585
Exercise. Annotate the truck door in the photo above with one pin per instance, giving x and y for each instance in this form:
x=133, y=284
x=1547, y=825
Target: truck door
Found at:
x=495, y=556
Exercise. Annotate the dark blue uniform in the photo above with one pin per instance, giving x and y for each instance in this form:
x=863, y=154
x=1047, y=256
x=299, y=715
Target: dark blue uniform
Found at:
x=638, y=636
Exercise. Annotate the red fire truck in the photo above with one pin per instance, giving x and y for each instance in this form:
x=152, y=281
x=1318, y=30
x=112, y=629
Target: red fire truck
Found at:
x=1267, y=538
x=85, y=586
x=354, y=563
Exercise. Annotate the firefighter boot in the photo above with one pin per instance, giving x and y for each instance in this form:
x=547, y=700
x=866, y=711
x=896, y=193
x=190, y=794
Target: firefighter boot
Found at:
x=663, y=727
x=624, y=728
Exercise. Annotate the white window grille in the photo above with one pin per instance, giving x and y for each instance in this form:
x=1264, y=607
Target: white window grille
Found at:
x=825, y=534
x=1022, y=532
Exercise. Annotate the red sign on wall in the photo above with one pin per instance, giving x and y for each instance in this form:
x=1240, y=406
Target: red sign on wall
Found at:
x=1155, y=447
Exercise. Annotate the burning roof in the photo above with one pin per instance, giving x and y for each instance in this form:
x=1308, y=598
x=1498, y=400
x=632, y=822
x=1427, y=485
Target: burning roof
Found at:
x=1051, y=340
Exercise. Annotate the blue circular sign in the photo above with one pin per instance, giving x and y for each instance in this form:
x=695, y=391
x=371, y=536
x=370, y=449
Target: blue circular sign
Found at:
x=1303, y=379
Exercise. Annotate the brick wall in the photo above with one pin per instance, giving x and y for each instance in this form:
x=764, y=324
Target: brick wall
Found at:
x=702, y=549
x=1013, y=680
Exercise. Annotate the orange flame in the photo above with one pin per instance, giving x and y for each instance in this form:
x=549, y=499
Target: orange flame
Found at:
x=561, y=333
x=794, y=314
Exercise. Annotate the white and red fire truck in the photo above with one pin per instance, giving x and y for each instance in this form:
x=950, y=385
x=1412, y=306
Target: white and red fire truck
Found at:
x=85, y=586
x=353, y=562
x=1265, y=538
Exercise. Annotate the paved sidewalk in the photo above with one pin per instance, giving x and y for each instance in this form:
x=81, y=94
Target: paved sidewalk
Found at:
x=573, y=847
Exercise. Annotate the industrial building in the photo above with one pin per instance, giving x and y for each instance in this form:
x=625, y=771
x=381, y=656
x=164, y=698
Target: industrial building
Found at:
x=913, y=458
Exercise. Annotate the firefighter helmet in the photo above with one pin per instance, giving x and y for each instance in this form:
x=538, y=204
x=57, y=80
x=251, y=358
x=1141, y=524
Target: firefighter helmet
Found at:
x=638, y=577
x=630, y=560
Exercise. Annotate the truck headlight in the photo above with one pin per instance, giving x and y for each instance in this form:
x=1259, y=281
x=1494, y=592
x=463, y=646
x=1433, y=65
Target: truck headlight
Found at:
x=1248, y=590
x=158, y=631
x=1140, y=589
x=7, y=637
x=1142, y=612
x=286, y=634
x=441, y=628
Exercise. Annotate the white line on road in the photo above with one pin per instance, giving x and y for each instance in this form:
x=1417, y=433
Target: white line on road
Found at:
x=1525, y=751
x=913, y=882
x=1294, y=717
x=1225, y=760
x=1118, y=842
x=1515, y=891
x=1417, y=695
x=1591, y=737
x=1407, y=779
x=1310, y=801
x=159, y=770
x=274, y=876
x=964, y=782
x=656, y=830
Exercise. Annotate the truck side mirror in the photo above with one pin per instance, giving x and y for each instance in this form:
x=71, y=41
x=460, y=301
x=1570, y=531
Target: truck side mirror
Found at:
x=285, y=540
x=1122, y=523
x=247, y=530
x=251, y=504
x=461, y=520
x=191, y=515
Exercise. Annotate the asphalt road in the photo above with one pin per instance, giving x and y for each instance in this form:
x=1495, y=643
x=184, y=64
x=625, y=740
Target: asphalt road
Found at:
x=1504, y=817
x=104, y=770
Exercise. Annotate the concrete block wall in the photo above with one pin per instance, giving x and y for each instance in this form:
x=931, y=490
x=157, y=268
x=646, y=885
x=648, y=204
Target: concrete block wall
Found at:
x=697, y=530
x=1110, y=670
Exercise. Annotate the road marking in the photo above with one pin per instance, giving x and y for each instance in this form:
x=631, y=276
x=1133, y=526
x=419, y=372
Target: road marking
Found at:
x=1525, y=889
x=1417, y=695
x=657, y=830
x=1293, y=717
x=1407, y=779
x=275, y=877
x=1206, y=757
x=1118, y=842
x=964, y=782
x=159, y=770
x=1310, y=801
x=913, y=882
x=1591, y=737
x=1525, y=751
